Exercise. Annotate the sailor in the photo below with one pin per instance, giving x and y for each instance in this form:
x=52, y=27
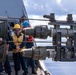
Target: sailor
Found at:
x=7, y=67
x=17, y=45
x=1, y=66
x=29, y=44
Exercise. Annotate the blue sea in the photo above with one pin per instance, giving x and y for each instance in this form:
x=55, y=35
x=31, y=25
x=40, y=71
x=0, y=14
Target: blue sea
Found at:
x=60, y=68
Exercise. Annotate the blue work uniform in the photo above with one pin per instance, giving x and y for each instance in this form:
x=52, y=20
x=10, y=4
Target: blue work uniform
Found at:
x=30, y=60
x=1, y=66
x=7, y=62
x=17, y=56
x=7, y=66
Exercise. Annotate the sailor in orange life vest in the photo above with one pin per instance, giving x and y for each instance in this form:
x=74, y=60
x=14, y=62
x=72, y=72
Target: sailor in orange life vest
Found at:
x=29, y=44
x=17, y=46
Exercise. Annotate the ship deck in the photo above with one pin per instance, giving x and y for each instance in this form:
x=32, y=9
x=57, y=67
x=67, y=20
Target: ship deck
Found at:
x=39, y=72
x=38, y=68
x=29, y=72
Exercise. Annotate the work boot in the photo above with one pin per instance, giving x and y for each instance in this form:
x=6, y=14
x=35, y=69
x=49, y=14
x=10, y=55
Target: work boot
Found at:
x=34, y=71
x=25, y=73
x=16, y=73
x=2, y=73
x=9, y=73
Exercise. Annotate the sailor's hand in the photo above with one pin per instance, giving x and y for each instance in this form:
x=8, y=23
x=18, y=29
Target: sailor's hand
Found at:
x=17, y=48
x=6, y=52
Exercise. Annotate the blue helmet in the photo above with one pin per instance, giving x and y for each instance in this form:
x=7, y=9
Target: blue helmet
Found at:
x=25, y=24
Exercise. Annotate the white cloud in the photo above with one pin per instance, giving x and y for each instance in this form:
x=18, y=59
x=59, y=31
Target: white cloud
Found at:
x=63, y=17
x=26, y=3
x=36, y=22
x=59, y=2
x=74, y=17
x=40, y=7
x=67, y=6
x=59, y=7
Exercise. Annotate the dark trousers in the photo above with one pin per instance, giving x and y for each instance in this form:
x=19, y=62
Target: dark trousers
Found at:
x=7, y=65
x=19, y=59
x=31, y=62
x=1, y=67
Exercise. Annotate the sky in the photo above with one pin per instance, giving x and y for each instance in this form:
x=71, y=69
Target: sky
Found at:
x=40, y=7
x=37, y=8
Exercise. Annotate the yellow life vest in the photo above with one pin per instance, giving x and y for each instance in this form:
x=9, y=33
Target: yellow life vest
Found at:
x=17, y=41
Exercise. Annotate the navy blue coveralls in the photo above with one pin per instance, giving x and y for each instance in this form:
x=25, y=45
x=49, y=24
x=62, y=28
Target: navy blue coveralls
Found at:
x=30, y=60
x=17, y=57
x=7, y=62
x=7, y=66
x=1, y=67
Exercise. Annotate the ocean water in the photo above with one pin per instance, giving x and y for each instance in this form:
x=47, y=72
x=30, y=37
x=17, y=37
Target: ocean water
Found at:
x=60, y=68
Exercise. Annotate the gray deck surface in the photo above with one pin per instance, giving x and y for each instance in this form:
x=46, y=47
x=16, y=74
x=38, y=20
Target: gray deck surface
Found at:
x=39, y=72
x=21, y=71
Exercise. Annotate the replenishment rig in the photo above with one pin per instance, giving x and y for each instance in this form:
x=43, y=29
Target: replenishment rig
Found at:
x=13, y=11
